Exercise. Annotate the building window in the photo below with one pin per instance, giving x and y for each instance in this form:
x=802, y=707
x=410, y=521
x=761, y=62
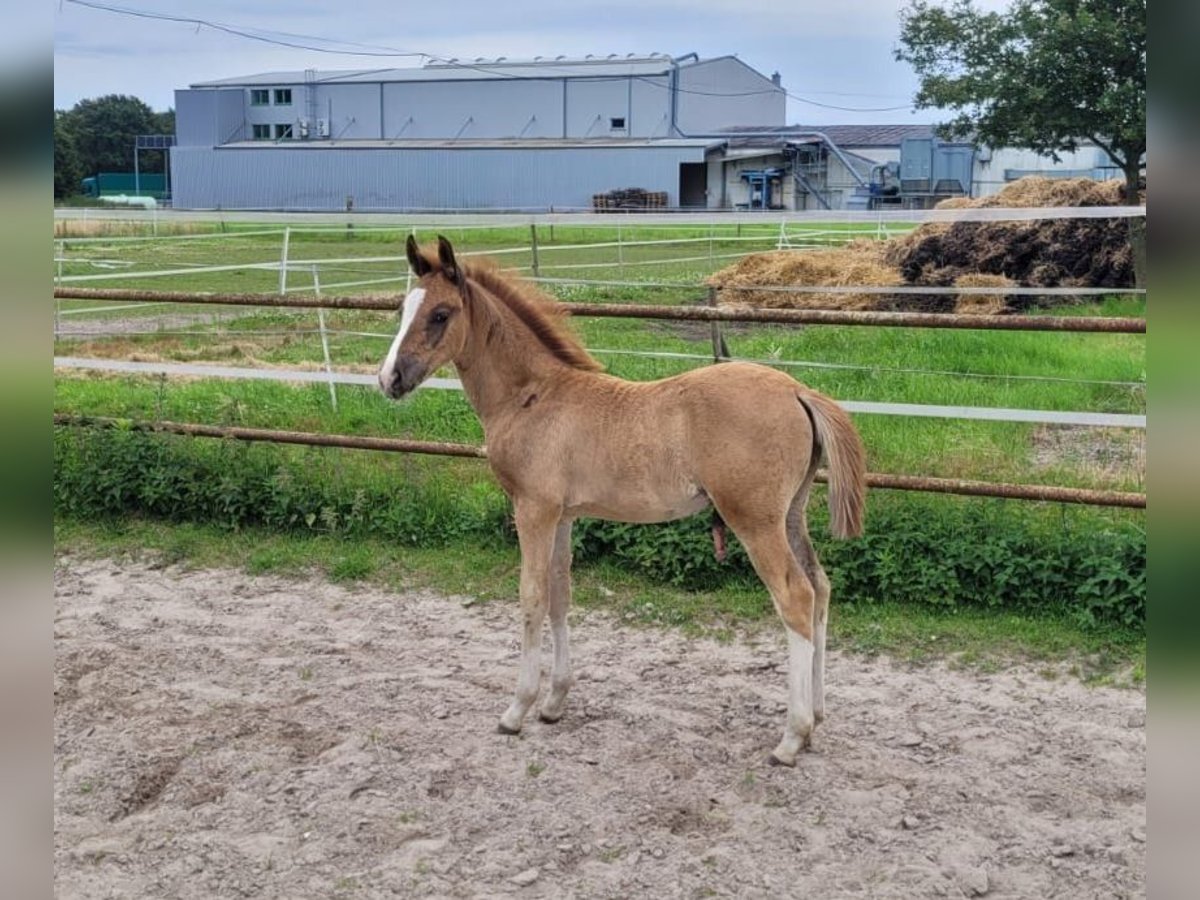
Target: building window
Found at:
x=283, y=132
x=262, y=132
x=283, y=96
x=617, y=123
x=260, y=97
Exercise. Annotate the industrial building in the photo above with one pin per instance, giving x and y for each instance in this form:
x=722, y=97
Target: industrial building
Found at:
x=547, y=134
x=481, y=134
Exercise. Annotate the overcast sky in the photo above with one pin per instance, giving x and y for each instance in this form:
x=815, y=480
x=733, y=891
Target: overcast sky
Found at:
x=833, y=52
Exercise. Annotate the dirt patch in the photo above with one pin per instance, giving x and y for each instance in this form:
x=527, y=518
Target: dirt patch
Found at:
x=1107, y=454
x=84, y=329
x=218, y=734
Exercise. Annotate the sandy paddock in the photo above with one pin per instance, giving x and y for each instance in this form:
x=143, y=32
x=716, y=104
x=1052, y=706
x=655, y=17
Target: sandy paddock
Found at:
x=222, y=735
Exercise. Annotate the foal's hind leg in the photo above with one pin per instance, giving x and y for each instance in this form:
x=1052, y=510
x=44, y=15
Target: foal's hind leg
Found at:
x=806, y=555
x=536, y=526
x=560, y=602
x=793, y=596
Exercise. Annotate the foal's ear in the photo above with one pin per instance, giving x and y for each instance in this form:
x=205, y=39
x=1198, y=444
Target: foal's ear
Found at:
x=420, y=265
x=449, y=265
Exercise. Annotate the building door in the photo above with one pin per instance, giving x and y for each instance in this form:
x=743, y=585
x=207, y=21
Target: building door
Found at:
x=693, y=184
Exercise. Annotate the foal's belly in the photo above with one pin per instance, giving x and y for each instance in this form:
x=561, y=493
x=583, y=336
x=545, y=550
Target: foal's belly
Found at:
x=641, y=505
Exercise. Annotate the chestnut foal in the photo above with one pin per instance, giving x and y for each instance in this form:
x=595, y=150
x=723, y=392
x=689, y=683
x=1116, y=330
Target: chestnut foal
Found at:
x=566, y=440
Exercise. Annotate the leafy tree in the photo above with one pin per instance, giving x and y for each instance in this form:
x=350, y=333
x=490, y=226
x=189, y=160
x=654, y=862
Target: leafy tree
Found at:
x=105, y=129
x=164, y=122
x=67, y=170
x=1045, y=74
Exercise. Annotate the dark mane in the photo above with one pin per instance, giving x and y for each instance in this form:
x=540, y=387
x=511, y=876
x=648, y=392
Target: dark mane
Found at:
x=540, y=314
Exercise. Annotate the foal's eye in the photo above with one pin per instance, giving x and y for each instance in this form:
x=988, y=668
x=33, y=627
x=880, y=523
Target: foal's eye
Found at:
x=440, y=317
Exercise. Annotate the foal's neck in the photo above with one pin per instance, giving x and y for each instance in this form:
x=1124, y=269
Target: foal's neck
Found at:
x=502, y=362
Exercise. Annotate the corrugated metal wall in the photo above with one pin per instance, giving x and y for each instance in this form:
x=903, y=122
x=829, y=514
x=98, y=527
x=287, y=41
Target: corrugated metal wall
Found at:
x=725, y=93
x=204, y=118
x=323, y=178
x=473, y=109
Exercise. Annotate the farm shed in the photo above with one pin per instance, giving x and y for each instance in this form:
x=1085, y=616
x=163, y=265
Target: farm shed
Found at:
x=867, y=166
x=465, y=134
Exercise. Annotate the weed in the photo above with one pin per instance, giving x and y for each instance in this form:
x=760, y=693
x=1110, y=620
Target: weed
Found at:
x=535, y=768
x=355, y=566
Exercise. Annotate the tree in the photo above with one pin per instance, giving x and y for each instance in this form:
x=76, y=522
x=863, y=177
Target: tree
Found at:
x=105, y=129
x=1046, y=74
x=67, y=171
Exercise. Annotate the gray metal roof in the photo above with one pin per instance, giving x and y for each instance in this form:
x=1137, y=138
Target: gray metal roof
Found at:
x=844, y=135
x=469, y=70
x=472, y=143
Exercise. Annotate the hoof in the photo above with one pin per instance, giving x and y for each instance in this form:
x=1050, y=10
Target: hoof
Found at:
x=774, y=760
x=548, y=718
x=818, y=716
x=504, y=729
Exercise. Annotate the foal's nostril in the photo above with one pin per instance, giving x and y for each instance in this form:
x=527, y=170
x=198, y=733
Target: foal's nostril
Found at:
x=409, y=372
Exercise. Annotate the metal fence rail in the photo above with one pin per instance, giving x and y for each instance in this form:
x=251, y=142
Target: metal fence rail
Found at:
x=1092, y=324
x=357, y=442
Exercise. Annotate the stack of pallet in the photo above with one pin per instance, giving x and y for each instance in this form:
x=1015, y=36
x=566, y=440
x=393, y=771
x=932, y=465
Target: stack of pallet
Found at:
x=629, y=198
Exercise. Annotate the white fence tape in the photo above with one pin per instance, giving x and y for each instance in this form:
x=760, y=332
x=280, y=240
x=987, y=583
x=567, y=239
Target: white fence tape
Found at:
x=994, y=414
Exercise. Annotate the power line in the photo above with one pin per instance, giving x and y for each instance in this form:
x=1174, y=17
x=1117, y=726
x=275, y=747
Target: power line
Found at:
x=292, y=40
x=284, y=39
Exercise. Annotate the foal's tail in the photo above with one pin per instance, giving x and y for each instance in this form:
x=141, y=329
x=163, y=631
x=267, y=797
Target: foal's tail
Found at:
x=836, y=434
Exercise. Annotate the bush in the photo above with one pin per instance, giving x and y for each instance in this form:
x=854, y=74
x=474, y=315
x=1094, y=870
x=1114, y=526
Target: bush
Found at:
x=937, y=551
x=234, y=485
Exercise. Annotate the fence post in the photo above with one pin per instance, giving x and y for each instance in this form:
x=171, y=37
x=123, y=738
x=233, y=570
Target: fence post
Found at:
x=316, y=275
x=408, y=282
x=283, y=260
x=534, y=247
x=620, y=250
x=720, y=348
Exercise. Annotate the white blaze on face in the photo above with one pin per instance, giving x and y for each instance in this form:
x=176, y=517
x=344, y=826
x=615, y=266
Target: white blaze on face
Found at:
x=412, y=303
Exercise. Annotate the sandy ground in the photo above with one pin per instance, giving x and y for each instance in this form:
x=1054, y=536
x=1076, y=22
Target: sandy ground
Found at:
x=222, y=735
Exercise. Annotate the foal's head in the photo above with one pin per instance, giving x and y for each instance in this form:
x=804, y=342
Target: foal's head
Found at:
x=433, y=323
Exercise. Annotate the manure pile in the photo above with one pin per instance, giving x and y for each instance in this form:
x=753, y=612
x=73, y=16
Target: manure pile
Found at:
x=1045, y=253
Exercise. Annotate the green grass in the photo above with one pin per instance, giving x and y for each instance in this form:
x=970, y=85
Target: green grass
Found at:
x=981, y=640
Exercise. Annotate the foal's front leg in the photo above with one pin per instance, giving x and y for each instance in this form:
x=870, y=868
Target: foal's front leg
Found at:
x=535, y=529
x=560, y=603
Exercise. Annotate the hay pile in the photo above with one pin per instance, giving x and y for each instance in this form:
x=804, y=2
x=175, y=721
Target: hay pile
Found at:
x=859, y=264
x=1047, y=253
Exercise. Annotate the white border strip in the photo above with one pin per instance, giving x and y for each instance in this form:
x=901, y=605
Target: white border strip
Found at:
x=993, y=414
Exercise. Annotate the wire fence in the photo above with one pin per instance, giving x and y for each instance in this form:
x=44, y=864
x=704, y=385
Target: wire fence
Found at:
x=880, y=480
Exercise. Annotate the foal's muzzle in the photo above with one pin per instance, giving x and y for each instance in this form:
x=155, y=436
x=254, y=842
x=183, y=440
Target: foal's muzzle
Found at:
x=406, y=374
